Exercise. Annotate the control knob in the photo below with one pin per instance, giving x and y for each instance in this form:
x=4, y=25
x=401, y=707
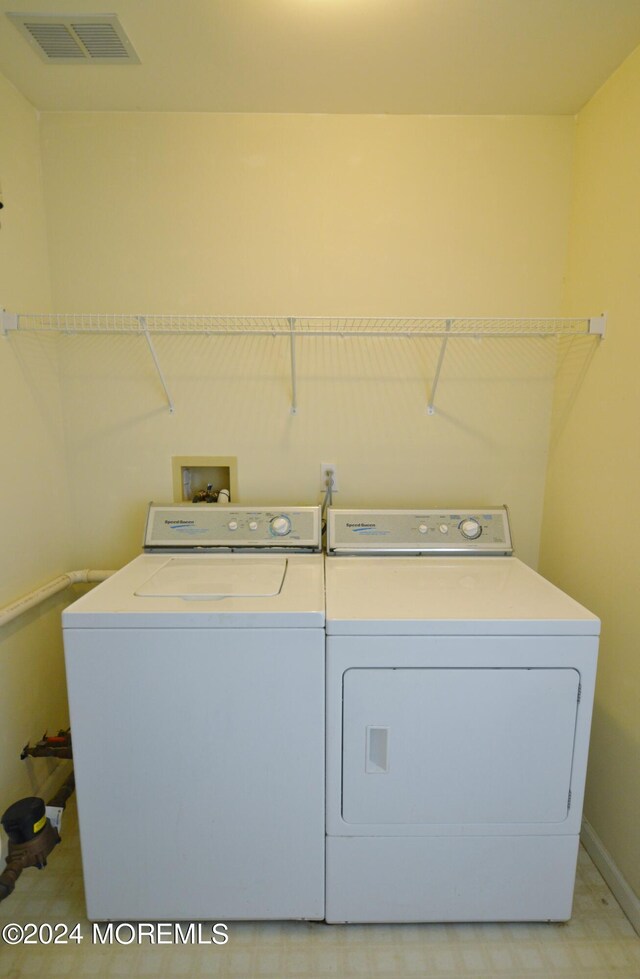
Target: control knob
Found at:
x=470, y=528
x=280, y=526
x=233, y=525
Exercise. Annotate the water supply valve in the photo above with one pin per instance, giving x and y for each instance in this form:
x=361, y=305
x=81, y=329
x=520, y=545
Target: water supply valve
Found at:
x=50, y=746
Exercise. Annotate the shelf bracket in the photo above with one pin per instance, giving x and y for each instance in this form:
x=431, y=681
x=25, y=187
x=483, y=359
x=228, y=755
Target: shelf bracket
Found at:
x=436, y=377
x=9, y=321
x=294, y=387
x=598, y=325
x=142, y=320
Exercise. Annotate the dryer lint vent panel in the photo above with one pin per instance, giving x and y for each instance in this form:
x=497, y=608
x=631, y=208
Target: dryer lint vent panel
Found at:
x=76, y=38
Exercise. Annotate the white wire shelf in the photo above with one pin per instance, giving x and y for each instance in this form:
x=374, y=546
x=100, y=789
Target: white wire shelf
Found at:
x=294, y=327
x=319, y=326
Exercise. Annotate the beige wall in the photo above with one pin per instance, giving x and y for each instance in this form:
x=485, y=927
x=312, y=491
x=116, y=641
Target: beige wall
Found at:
x=33, y=488
x=591, y=537
x=324, y=215
x=307, y=215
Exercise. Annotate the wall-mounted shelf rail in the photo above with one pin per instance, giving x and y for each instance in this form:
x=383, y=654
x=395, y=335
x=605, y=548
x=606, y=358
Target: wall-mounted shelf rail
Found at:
x=298, y=327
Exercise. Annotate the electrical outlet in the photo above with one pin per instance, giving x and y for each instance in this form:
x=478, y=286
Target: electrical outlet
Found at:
x=327, y=470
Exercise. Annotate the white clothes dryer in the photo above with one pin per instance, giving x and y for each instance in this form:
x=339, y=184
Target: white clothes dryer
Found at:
x=459, y=696
x=196, y=691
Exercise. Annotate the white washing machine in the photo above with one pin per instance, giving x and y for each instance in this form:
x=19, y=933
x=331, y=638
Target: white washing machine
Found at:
x=459, y=696
x=196, y=690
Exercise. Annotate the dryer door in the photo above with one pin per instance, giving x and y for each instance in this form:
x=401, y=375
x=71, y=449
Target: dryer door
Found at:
x=457, y=746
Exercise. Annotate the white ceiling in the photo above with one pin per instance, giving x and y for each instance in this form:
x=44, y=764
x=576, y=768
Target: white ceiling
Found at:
x=362, y=56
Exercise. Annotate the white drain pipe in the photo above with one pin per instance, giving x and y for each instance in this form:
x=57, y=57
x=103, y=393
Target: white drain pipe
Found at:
x=14, y=609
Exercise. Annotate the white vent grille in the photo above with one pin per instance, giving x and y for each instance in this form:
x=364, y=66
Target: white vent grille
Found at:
x=75, y=39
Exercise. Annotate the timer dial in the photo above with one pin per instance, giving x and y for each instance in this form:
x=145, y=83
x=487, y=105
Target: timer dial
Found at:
x=280, y=526
x=470, y=528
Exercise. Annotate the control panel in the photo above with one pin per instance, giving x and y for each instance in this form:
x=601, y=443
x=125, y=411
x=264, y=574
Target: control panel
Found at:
x=477, y=531
x=193, y=526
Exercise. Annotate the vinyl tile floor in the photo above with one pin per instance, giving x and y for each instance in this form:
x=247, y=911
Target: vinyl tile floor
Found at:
x=598, y=942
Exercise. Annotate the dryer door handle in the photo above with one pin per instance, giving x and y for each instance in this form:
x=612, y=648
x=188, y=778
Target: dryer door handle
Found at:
x=377, y=751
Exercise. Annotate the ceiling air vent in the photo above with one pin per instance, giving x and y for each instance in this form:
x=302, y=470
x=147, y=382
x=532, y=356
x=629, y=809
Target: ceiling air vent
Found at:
x=75, y=39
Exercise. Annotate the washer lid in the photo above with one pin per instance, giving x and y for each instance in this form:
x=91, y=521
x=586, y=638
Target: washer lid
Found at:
x=202, y=579
x=207, y=591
